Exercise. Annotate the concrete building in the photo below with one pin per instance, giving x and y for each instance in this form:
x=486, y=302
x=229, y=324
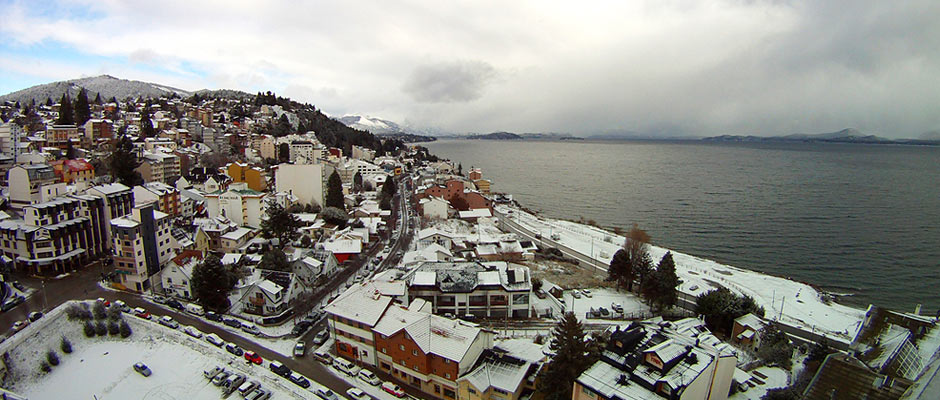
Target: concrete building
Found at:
x=243, y=206
x=253, y=177
x=142, y=244
x=434, y=208
x=490, y=290
x=302, y=180
x=159, y=167
x=71, y=171
x=10, y=133
x=166, y=197
x=118, y=202
x=26, y=182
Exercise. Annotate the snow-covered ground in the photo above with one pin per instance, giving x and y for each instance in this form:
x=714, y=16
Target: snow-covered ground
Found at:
x=788, y=301
x=101, y=367
x=632, y=306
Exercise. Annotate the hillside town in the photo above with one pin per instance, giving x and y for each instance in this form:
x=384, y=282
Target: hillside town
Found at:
x=288, y=256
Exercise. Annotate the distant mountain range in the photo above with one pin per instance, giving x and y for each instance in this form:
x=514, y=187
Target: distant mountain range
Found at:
x=848, y=135
x=105, y=85
x=495, y=136
x=385, y=128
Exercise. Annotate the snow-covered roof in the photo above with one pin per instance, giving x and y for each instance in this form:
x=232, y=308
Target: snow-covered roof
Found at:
x=361, y=303
x=424, y=278
x=237, y=234
x=447, y=338
x=475, y=213
x=752, y=321
x=231, y=258
x=124, y=222
x=500, y=371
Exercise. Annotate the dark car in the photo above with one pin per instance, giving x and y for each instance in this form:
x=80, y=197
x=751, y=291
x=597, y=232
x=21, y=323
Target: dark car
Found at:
x=234, y=323
x=279, y=369
x=301, y=327
x=299, y=380
x=175, y=304
x=234, y=349
x=142, y=369
x=212, y=316
x=15, y=301
x=35, y=315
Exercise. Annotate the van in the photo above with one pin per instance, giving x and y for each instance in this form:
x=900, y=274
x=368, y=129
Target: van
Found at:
x=346, y=366
x=195, y=309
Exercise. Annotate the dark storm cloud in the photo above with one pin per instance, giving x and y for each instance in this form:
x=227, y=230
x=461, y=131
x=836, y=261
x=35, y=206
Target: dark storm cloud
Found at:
x=453, y=82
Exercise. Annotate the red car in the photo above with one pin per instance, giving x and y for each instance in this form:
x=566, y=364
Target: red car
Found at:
x=393, y=389
x=253, y=357
x=140, y=312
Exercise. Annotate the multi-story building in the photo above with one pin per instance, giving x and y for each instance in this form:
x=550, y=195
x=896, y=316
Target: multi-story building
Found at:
x=56, y=236
x=303, y=152
x=10, y=133
x=178, y=273
x=352, y=316
x=96, y=131
x=26, y=183
x=159, y=167
x=118, y=202
x=426, y=351
x=69, y=171
x=509, y=371
x=253, y=177
x=141, y=245
x=302, y=180
x=675, y=360
x=166, y=197
x=491, y=290
x=348, y=170
x=60, y=135
x=363, y=153
x=239, y=204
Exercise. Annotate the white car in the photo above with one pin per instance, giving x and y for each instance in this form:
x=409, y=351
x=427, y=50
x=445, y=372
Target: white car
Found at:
x=191, y=331
x=358, y=394
x=214, y=339
x=369, y=377
x=168, y=322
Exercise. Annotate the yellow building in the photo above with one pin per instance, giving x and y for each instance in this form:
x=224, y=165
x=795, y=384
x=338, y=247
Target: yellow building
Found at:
x=245, y=173
x=483, y=185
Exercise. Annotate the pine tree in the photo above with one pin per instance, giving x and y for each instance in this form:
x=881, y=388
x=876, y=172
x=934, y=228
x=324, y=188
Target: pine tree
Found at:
x=211, y=283
x=389, y=188
x=274, y=260
x=621, y=269
x=660, y=290
x=124, y=162
x=334, y=193
x=65, y=111
x=81, y=108
x=573, y=355
x=146, y=124
x=98, y=98
x=357, y=182
x=280, y=224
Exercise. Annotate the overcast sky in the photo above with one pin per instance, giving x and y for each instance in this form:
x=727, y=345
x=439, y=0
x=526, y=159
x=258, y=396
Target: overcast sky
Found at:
x=654, y=67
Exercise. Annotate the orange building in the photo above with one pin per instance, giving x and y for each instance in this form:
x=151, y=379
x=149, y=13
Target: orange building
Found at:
x=245, y=173
x=69, y=171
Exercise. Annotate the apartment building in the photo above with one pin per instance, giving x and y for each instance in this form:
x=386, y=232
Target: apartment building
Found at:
x=487, y=290
x=159, y=167
x=118, y=202
x=166, y=197
x=26, y=182
x=239, y=204
x=302, y=180
x=142, y=244
x=253, y=177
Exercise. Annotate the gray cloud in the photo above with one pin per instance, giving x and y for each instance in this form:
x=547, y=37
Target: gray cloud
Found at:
x=452, y=82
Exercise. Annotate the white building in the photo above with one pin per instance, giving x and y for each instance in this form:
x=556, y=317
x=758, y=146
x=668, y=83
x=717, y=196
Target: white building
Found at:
x=434, y=207
x=178, y=273
x=302, y=180
x=142, y=244
x=239, y=204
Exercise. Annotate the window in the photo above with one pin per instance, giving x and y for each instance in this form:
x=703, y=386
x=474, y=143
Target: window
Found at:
x=383, y=351
x=470, y=389
x=449, y=393
x=414, y=352
x=447, y=375
x=401, y=347
x=446, y=361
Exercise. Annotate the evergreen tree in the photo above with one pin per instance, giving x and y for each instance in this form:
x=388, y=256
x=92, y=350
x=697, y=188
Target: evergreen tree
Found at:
x=49, y=101
x=280, y=224
x=211, y=283
x=275, y=260
x=81, y=108
x=721, y=307
x=124, y=162
x=334, y=192
x=620, y=269
x=660, y=290
x=775, y=348
x=65, y=111
x=460, y=169
x=573, y=355
x=334, y=216
x=357, y=182
x=98, y=98
x=146, y=124
x=70, y=151
x=389, y=188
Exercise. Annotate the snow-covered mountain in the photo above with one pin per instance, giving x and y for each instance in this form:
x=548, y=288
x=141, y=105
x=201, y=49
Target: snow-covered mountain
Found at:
x=106, y=85
x=377, y=126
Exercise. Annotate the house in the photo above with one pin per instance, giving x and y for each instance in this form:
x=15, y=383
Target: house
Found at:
x=503, y=250
x=747, y=331
x=491, y=290
x=434, y=207
x=352, y=316
x=266, y=298
x=70, y=171
x=425, y=351
x=232, y=241
x=142, y=245
x=472, y=215
x=654, y=359
x=177, y=274
x=501, y=373
x=429, y=236
x=344, y=245
x=434, y=252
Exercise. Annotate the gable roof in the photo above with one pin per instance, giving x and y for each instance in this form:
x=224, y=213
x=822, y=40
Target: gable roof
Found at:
x=361, y=303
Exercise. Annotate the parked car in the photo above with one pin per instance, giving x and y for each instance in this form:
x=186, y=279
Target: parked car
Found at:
x=214, y=339
x=192, y=331
x=300, y=327
x=175, y=304
x=587, y=293
x=19, y=325
x=616, y=307
x=253, y=357
x=321, y=337
x=212, y=373
x=393, y=389
x=34, y=316
x=299, y=380
x=212, y=316
x=121, y=305
x=234, y=323
x=140, y=312
x=195, y=309
x=259, y=394
x=369, y=377
x=221, y=377
x=250, y=328
x=323, y=357
x=142, y=369
x=234, y=349
x=576, y=294
x=357, y=394
x=159, y=299
x=279, y=368
x=345, y=366
x=167, y=321
x=248, y=387
x=103, y=301
x=300, y=349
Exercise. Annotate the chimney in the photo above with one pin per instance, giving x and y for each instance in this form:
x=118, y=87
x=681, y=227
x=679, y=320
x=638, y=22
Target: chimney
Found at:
x=917, y=308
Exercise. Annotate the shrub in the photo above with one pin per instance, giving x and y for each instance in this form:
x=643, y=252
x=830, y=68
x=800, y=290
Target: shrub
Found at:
x=113, y=328
x=44, y=366
x=99, y=310
x=101, y=329
x=66, y=345
x=89, y=329
x=78, y=311
x=114, y=313
x=125, y=329
x=52, y=357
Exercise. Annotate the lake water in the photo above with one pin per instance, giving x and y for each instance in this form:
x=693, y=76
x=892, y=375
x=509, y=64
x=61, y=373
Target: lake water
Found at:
x=859, y=219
